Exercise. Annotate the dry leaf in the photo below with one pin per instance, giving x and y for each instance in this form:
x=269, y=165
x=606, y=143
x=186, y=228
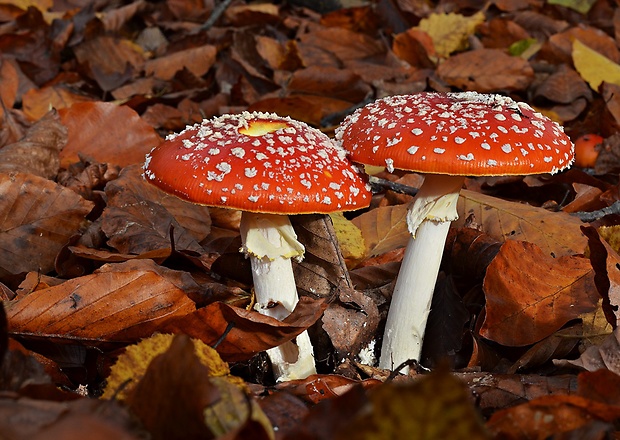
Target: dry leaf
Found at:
x=38, y=219
x=38, y=151
x=238, y=333
x=197, y=60
x=549, y=416
x=594, y=67
x=384, y=229
x=119, y=302
x=107, y=132
x=556, y=233
x=486, y=70
x=450, y=32
x=530, y=295
x=603, y=356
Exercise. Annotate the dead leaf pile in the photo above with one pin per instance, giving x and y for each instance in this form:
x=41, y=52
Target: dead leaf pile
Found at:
x=128, y=312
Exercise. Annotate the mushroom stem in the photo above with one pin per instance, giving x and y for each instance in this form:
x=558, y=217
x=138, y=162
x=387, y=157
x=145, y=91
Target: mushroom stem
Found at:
x=429, y=220
x=270, y=242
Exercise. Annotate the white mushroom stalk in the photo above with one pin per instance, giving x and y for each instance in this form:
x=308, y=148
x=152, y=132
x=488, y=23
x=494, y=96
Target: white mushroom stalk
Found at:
x=428, y=220
x=270, y=242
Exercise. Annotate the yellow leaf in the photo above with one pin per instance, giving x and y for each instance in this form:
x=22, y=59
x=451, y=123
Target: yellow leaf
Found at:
x=132, y=364
x=437, y=406
x=593, y=67
x=450, y=32
x=350, y=239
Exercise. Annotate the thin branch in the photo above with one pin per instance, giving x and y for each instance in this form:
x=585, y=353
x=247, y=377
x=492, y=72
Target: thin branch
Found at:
x=215, y=15
x=585, y=216
x=377, y=184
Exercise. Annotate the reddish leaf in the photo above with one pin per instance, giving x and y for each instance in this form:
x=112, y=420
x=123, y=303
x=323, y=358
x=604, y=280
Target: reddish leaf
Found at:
x=548, y=416
x=530, y=295
x=106, y=132
x=244, y=332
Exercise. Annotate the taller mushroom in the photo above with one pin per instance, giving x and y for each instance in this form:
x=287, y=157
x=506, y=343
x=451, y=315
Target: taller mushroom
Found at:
x=268, y=167
x=447, y=136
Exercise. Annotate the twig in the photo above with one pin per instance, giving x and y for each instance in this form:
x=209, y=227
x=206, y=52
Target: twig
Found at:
x=215, y=15
x=377, y=184
x=585, y=216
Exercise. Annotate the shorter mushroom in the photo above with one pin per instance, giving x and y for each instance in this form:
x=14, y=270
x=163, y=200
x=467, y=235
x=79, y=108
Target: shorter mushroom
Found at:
x=267, y=166
x=447, y=136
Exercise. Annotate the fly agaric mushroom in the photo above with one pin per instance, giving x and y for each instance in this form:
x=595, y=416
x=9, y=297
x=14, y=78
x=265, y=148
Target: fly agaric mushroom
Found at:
x=268, y=167
x=447, y=136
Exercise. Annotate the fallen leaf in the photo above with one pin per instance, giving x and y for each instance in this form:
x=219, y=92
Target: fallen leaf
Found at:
x=197, y=60
x=581, y=6
x=606, y=264
x=323, y=271
x=556, y=233
x=349, y=238
x=486, y=70
x=603, y=356
x=384, y=229
x=107, y=132
x=436, y=406
x=38, y=102
x=132, y=364
x=119, y=302
x=450, y=32
x=38, y=151
x=593, y=67
x=549, y=416
x=530, y=295
x=239, y=334
x=38, y=219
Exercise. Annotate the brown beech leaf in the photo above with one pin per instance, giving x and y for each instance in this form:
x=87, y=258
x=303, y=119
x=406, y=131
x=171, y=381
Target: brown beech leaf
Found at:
x=329, y=81
x=244, y=333
x=119, y=302
x=37, y=102
x=469, y=252
x=603, y=356
x=40, y=419
x=530, y=295
x=606, y=264
x=486, y=70
x=197, y=60
x=601, y=385
x=384, y=229
x=414, y=46
x=548, y=416
x=107, y=132
x=556, y=233
x=140, y=218
x=38, y=219
x=323, y=271
x=36, y=153
x=344, y=44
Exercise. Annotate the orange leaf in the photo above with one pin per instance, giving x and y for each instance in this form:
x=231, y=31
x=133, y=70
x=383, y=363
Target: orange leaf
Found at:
x=106, y=132
x=119, y=302
x=530, y=295
x=249, y=332
x=545, y=416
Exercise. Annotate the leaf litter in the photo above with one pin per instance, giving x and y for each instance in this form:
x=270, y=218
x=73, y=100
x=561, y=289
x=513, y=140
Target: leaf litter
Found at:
x=93, y=260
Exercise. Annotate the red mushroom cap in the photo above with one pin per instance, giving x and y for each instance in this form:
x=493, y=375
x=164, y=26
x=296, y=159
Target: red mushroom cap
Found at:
x=466, y=133
x=257, y=162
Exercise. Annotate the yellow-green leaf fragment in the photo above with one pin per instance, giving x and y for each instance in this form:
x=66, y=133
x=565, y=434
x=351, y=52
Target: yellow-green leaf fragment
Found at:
x=450, y=32
x=581, y=6
x=594, y=67
x=350, y=238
